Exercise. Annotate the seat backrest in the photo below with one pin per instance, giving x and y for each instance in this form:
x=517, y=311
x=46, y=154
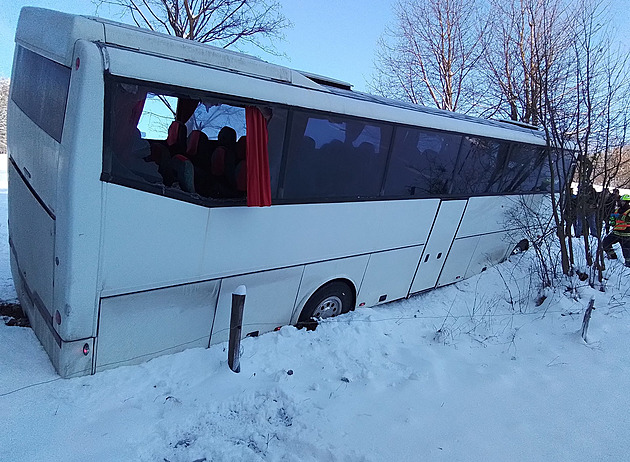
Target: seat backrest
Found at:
x=197, y=143
x=176, y=140
x=241, y=148
x=218, y=161
x=241, y=176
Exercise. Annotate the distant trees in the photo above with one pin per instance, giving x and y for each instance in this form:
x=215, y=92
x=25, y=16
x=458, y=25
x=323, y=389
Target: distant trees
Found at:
x=550, y=63
x=223, y=23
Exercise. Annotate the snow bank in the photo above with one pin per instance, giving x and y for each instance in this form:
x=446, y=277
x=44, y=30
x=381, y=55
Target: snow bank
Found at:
x=469, y=372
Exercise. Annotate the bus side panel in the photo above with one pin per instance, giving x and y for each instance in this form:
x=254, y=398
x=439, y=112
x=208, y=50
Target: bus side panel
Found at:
x=318, y=274
x=35, y=153
x=248, y=239
x=136, y=327
x=388, y=276
x=268, y=303
x=32, y=239
x=150, y=241
x=488, y=214
x=80, y=192
x=458, y=259
x=483, y=225
x=490, y=250
x=437, y=249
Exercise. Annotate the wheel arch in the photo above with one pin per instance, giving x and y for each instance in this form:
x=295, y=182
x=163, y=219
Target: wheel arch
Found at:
x=305, y=298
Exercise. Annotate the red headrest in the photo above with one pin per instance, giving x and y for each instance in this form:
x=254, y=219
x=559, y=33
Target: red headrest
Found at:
x=176, y=132
x=196, y=142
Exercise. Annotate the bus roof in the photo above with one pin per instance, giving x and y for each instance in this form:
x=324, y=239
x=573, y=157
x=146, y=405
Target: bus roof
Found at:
x=53, y=34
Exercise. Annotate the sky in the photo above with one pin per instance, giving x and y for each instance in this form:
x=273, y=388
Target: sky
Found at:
x=469, y=372
x=335, y=38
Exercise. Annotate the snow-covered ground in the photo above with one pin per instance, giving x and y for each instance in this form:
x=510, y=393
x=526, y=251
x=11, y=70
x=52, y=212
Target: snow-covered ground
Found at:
x=470, y=372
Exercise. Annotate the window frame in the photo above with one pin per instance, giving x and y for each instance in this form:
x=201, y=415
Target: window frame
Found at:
x=284, y=151
x=108, y=176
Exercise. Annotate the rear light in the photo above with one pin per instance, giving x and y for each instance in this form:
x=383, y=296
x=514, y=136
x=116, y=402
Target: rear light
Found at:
x=58, y=317
x=78, y=63
x=86, y=349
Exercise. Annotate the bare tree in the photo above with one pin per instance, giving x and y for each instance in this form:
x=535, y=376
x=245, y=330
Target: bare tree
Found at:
x=223, y=22
x=4, y=99
x=429, y=55
x=526, y=39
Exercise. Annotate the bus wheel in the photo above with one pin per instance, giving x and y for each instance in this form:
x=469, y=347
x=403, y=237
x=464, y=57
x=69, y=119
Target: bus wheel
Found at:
x=329, y=300
x=522, y=246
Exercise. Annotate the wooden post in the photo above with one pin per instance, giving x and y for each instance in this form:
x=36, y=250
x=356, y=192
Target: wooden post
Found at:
x=236, y=325
x=587, y=318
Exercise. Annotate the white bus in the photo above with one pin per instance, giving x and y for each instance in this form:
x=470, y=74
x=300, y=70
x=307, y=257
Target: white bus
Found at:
x=150, y=176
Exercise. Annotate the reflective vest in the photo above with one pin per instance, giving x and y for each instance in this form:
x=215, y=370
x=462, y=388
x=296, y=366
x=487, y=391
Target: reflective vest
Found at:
x=622, y=224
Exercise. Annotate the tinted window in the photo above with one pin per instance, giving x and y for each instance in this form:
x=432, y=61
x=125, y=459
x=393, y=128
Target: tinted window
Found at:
x=335, y=157
x=480, y=166
x=422, y=163
x=563, y=165
x=523, y=168
x=40, y=90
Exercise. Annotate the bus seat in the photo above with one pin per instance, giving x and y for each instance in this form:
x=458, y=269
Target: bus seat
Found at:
x=366, y=150
x=241, y=176
x=241, y=148
x=223, y=172
x=184, y=172
x=176, y=140
x=197, y=143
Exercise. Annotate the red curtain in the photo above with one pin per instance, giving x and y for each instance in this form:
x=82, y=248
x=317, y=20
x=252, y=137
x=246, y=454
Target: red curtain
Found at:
x=258, y=181
x=185, y=109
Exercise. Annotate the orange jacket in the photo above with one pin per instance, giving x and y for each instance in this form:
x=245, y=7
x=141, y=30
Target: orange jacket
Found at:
x=622, y=224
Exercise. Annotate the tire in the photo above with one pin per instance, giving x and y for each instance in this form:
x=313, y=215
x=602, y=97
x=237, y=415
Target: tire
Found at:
x=330, y=300
x=522, y=246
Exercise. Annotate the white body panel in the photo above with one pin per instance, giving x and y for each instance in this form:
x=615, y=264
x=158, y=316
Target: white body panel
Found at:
x=316, y=275
x=270, y=296
x=388, y=276
x=490, y=249
x=436, y=251
x=79, y=218
x=140, y=233
x=30, y=223
x=40, y=170
x=137, y=327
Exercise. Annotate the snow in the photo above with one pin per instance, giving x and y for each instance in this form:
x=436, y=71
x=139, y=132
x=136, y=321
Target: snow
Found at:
x=469, y=372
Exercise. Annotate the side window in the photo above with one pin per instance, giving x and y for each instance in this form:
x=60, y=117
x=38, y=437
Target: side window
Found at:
x=523, y=168
x=335, y=157
x=40, y=89
x=563, y=165
x=171, y=143
x=422, y=163
x=480, y=166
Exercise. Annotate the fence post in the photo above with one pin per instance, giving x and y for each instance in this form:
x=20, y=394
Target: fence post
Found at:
x=236, y=325
x=587, y=318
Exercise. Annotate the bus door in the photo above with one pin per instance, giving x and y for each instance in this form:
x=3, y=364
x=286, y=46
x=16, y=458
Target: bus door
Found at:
x=432, y=260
